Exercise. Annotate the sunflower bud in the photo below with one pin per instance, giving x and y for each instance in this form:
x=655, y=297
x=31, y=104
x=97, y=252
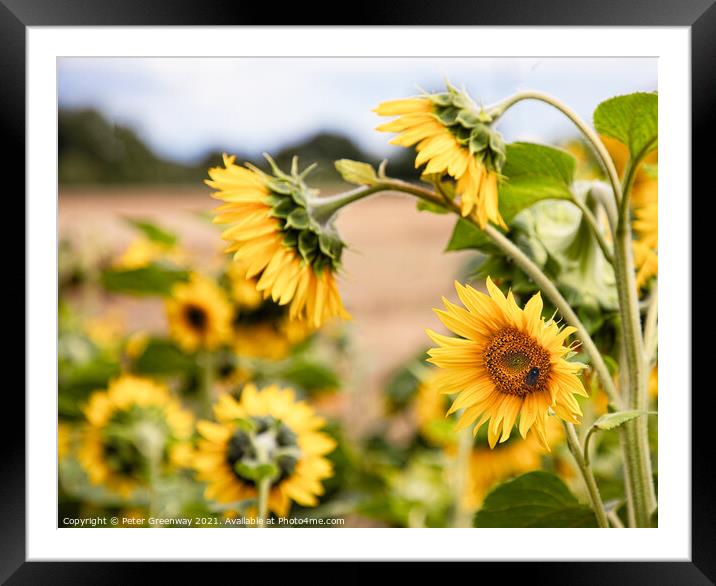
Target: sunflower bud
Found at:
x=356, y=172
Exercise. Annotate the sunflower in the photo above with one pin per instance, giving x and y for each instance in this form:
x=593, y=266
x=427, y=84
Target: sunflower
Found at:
x=132, y=423
x=488, y=467
x=644, y=204
x=261, y=327
x=287, y=433
x=242, y=289
x=293, y=256
x=142, y=252
x=199, y=314
x=509, y=362
x=64, y=439
x=453, y=137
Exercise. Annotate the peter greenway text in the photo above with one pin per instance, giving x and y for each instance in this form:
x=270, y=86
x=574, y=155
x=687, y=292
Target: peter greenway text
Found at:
x=131, y=521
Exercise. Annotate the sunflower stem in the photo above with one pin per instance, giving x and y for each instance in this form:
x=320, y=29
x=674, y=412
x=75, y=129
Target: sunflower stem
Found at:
x=636, y=444
x=208, y=366
x=592, y=137
x=322, y=209
x=462, y=516
x=585, y=468
x=264, y=489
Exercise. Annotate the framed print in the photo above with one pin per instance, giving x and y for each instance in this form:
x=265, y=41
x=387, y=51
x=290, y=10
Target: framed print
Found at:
x=395, y=288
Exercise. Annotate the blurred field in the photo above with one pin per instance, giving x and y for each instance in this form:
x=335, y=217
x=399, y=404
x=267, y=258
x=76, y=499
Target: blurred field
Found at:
x=394, y=270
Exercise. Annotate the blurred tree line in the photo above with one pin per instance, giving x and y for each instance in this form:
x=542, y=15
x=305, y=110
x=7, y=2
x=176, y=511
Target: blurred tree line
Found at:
x=92, y=150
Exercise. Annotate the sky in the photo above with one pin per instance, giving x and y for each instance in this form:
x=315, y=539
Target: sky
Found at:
x=185, y=107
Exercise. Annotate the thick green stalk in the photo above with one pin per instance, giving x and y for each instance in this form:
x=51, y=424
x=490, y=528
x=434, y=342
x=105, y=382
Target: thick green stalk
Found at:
x=635, y=431
x=264, y=489
x=585, y=468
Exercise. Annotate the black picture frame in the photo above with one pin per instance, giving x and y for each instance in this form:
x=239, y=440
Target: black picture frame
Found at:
x=17, y=15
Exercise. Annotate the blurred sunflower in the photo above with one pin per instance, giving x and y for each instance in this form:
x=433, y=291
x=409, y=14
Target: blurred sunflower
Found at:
x=644, y=203
x=64, y=439
x=261, y=327
x=242, y=289
x=134, y=429
x=269, y=423
x=488, y=467
x=199, y=314
x=142, y=251
x=454, y=137
x=293, y=256
x=509, y=362
x=430, y=407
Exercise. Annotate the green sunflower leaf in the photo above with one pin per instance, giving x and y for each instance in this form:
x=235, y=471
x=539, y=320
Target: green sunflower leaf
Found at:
x=161, y=357
x=612, y=420
x=154, y=232
x=632, y=119
x=154, y=279
x=535, y=499
x=532, y=173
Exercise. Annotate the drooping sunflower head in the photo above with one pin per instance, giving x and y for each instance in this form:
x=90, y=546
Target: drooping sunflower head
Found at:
x=264, y=428
x=453, y=137
x=508, y=363
x=134, y=429
x=199, y=314
x=293, y=256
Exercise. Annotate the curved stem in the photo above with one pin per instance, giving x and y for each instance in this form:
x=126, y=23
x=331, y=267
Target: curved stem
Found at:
x=591, y=136
x=586, y=470
x=323, y=209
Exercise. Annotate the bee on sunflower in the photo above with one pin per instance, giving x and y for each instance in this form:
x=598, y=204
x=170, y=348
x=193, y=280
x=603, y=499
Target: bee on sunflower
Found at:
x=135, y=430
x=293, y=255
x=507, y=363
x=453, y=137
x=263, y=430
x=199, y=314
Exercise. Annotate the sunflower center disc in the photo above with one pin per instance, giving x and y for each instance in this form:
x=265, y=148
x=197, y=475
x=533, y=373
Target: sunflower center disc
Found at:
x=196, y=317
x=269, y=436
x=516, y=363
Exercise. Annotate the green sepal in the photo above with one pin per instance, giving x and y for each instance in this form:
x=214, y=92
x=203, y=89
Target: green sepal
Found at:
x=298, y=219
x=283, y=209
